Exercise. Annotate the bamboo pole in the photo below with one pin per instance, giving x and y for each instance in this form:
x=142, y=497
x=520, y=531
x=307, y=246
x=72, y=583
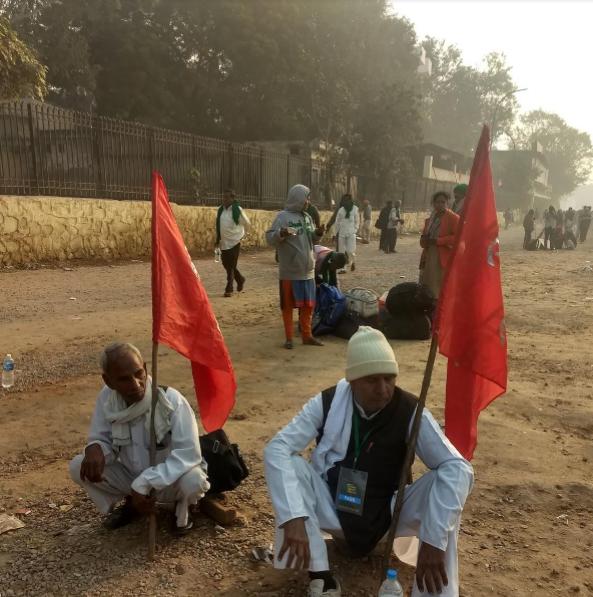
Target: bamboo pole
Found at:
x=410, y=454
x=155, y=396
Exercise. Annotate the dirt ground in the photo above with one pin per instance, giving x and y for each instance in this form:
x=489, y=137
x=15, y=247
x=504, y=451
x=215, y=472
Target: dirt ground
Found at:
x=528, y=525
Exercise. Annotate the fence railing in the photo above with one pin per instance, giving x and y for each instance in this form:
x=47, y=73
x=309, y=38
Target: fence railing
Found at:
x=47, y=150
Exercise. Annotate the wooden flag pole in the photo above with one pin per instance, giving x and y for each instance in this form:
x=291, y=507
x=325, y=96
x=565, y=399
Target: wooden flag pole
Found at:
x=155, y=397
x=410, y=454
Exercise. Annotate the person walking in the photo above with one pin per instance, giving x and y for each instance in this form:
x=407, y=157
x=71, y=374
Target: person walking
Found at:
x=392, y=223
x=528, y=226
x=437, y=241
x=558, y=235
x=331, y=222
x=570, y=226
x=294, y=235
x=346, y=228
x=365, y=224
x=508, y=218
x=584, y=222
x=549, y=225
x=230, y=229
x=381, y=224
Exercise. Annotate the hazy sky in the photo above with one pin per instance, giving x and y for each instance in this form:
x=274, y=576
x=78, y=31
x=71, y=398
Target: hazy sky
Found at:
x=546, y=43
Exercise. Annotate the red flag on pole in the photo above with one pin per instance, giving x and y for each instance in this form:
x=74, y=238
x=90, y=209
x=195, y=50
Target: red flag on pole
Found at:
x=470, y=318
x=182, y=317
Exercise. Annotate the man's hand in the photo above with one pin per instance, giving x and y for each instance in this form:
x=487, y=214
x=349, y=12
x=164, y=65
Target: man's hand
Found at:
x=93, y=464
x=430, y=570
x=320, y=231
x=142, y=503
x=296, y=542
x=283, y=232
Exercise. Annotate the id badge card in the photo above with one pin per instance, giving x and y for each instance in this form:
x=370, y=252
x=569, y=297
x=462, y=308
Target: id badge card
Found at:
x=352, y=486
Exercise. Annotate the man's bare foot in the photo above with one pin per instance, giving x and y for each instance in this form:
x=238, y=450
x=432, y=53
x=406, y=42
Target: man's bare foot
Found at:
x=312, y=342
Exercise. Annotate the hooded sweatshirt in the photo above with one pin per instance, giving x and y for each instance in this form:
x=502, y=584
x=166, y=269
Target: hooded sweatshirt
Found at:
x=295, y=252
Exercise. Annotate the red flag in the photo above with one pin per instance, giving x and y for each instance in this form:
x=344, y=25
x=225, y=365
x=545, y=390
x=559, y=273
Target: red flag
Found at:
x=470, y=318
x=182, y=317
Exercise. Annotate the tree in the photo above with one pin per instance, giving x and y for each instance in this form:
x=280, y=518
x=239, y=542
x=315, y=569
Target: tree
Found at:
x=459, y=99
x=21, y=74
x=496, y=89
x=343, y=73
x=389, y=128
x=568, y=150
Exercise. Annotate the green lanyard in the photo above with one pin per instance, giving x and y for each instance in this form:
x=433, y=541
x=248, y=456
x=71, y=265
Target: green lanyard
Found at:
x=357, y=443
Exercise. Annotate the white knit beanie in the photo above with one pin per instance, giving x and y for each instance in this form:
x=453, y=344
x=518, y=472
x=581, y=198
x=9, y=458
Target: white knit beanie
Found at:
x=369, y=353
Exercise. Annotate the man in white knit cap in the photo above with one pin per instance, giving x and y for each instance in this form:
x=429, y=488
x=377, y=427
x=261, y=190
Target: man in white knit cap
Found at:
x=347, y=489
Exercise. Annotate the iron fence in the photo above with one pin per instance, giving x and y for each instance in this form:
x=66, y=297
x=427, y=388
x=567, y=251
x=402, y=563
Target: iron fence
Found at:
x=47, y=150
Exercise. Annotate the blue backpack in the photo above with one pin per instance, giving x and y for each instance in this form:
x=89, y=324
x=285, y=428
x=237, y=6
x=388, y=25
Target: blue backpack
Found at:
x=329, y=307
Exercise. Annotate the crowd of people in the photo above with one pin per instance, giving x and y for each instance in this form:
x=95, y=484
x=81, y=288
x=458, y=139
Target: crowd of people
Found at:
x=560, y=229
x=361, y=425
x=304, y=263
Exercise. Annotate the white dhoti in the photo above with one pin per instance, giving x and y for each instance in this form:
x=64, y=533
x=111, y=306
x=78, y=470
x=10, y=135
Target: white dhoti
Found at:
x=347, y=244
x=322, y=517
x=117, y=484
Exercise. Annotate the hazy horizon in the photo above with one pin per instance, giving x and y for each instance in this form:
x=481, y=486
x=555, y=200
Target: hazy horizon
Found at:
x=542, y=40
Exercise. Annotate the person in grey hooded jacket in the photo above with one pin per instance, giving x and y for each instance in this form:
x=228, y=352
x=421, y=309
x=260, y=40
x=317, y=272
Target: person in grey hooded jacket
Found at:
x=294, y=234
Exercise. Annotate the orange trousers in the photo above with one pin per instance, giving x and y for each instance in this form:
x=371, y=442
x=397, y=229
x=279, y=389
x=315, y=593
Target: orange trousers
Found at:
x=305, y=314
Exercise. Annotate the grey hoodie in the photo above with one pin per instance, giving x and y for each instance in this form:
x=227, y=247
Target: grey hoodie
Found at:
x=296, y=260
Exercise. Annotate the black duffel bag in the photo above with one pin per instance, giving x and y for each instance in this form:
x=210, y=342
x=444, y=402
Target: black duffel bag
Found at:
x=415, y=326
x=408, y=298
x=226, y=467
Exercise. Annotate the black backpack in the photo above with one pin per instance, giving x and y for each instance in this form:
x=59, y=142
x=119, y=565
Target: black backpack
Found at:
x=408, y=298
x=413, y=326
x=226, y=467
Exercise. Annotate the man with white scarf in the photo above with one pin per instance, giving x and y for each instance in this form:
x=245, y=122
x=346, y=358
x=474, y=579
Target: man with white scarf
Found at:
x=347, y=490
x=115, y=464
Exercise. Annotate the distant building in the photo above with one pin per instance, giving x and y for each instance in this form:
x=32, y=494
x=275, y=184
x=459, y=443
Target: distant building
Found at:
x=521, y=178
x=435, y=162
x=309, y=163
x=435, y=168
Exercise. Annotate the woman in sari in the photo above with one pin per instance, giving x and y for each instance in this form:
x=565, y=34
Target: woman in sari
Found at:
x=437, y=241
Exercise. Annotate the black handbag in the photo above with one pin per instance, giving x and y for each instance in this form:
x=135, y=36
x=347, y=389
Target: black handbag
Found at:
x=226, y=467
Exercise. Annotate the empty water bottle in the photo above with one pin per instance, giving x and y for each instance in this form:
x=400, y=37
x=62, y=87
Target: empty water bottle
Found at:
x=217, y=254
x=391, y=586
x=7, y=372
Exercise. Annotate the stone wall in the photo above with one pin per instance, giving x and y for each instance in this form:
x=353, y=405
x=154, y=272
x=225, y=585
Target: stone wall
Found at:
x=57, y=228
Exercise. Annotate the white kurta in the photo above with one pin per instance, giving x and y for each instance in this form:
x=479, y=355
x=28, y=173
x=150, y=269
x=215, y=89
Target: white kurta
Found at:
x=346, y=229
x=180, y=472
x=231, y=233
x=432, y=505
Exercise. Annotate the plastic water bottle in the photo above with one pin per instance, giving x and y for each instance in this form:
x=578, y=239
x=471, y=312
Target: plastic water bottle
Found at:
x=7, y=372
x=391, y=586
x=217, y=255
